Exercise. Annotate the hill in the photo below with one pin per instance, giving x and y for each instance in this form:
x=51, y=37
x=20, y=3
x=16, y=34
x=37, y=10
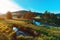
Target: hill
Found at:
x=24, y=11
x=58, y=14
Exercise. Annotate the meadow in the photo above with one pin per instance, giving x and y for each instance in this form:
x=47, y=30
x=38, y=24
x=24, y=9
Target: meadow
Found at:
x=40, y=32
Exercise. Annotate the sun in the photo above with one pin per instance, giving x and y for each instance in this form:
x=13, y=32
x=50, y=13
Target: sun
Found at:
x=8, y=5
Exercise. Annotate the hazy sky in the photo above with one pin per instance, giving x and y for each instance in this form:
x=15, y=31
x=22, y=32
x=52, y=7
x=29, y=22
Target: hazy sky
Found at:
x=34, y=5
x=9, y=5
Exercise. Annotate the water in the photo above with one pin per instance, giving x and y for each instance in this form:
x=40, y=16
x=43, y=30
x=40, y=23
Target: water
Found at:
x=18, y=32
x=15, y=29
x=36, y=23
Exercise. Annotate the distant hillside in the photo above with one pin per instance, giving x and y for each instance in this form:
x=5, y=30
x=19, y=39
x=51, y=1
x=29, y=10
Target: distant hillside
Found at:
x=58, y=14
x=22, y=12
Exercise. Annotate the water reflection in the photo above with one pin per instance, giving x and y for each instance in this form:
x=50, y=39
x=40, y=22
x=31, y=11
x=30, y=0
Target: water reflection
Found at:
x=15, y=29
x=18, y=32
x=36, y=23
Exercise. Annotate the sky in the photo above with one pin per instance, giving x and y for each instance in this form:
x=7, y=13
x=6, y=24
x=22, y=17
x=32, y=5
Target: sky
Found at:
x=8, y=5
x=33, y=5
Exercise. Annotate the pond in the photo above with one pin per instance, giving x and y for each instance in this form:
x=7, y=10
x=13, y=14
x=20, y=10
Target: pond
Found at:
x=36, y=23
x=18, y=32
x=25, y=31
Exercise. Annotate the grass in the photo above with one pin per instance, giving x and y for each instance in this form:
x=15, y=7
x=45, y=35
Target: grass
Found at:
x=51, y=33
